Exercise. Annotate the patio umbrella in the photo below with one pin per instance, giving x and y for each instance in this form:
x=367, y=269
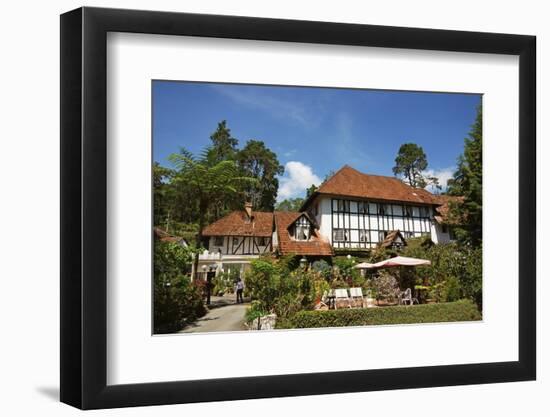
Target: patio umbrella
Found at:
x=364, y=265
x=401, y=261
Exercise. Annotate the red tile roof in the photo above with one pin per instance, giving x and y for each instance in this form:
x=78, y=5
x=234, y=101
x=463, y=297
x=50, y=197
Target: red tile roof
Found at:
x=315, y=246
x=443, y=216
x=349, y=182
x=164, y=236
x=237, y=223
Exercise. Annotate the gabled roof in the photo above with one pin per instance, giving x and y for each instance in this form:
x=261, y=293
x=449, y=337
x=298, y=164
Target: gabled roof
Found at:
x=394, y=235
x=237, y=223
x=315, y=246
x=349, y=182
x=164, y=236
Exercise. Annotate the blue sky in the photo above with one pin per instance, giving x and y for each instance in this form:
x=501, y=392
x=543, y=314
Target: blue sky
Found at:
x=315, y=130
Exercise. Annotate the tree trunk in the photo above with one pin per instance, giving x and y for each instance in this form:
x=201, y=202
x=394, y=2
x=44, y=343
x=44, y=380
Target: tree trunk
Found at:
x=202, y=210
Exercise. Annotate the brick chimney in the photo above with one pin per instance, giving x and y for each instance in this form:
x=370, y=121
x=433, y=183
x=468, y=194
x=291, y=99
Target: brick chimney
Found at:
x=248, y=209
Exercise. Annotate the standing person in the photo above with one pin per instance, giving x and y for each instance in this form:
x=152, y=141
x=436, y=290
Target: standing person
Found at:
x=240, y=288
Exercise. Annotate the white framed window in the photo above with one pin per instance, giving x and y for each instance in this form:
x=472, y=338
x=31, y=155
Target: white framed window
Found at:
x=364, y=236
x=302, y=229
x=261, y=241
x=343, y=205
x=424, y=211
x=218, y=240
x=362, y=207
x=408, y=210
x=383, y=209
x=339, y=235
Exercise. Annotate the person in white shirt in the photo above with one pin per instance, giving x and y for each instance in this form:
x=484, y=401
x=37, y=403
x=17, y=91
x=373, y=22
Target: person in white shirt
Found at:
x=240, y=287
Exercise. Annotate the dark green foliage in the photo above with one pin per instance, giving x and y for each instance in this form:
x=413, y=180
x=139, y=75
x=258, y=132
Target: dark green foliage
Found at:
x=254, y=311
x=290, y=204
x=311, y=190
x=162, y=196
x=177, y=300
x=202, y=188
x=259, y=162
x=410, y=163
x=224, y=145
x=462, y=310
x=275, y=288
x=468, y=183
x=323, y=268
x=211, y=183
x=455, y=272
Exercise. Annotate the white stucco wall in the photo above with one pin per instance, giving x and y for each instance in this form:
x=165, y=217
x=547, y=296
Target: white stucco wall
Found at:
x=437, y=234
x=324, y=218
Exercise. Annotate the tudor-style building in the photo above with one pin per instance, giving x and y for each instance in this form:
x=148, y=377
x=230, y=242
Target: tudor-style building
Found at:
x=350, y=211
x=357, y=211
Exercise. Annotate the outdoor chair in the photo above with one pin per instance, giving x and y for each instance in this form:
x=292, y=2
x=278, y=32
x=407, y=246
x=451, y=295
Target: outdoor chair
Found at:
x=324, y=303
x=357, y=297
x=407, y=298
x=342, y=297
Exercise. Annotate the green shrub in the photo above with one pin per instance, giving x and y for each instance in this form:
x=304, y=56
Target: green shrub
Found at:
x=278, y=289
x=224, y=283
x=323, y=268
x=452, y=289
x=254, y=311
x=463, y=310
x=177, y=300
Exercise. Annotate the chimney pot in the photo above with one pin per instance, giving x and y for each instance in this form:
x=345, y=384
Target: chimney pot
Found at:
x=248, y=209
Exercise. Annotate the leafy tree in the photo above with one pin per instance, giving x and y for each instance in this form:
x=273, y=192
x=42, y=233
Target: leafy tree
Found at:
x=311, y=190
x=176, y=300
x=290, y=204
x=162, y=195
x=410, y=163
x=468, y=182
x=209, y=184
x=224, y=146
x=257, y=161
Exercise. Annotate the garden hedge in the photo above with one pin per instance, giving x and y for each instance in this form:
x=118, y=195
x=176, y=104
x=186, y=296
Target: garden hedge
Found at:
x=463, y=310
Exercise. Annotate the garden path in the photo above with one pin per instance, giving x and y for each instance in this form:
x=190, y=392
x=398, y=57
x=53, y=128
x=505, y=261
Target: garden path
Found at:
x=225, y=318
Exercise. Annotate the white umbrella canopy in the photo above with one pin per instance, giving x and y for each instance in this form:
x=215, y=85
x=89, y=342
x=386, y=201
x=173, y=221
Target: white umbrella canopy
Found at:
x=401, y=261
x=364, y=265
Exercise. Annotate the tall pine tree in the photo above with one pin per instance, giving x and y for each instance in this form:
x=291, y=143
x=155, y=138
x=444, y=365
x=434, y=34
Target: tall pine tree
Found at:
x=468, y=183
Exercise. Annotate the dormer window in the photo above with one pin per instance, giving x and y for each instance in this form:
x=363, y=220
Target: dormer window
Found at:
x=302, y=229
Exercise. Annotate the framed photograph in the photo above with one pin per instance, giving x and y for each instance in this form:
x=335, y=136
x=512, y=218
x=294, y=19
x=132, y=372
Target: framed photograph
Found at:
x=258, y=208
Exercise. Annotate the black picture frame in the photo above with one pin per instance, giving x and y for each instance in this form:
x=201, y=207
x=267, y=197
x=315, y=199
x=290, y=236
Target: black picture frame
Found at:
x=84, y=207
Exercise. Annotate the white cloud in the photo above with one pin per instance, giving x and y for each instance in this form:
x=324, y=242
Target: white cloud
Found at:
x=443, y=175
x=297, y=178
